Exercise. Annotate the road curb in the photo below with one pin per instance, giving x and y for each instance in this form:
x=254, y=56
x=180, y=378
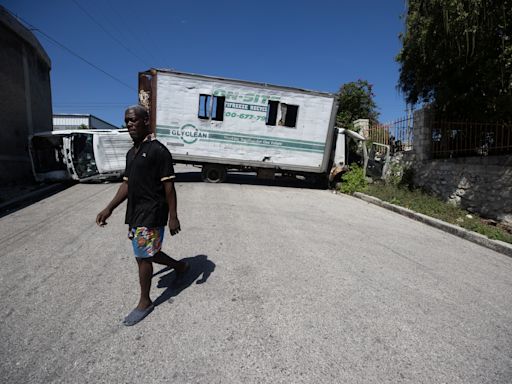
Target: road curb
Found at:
x=495, y=245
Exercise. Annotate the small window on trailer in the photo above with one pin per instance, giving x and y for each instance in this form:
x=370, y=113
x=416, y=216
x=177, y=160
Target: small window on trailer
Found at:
x=289, y=115
x=218, y=108
x=204, y=106
x=272, y=112
x=211, y=107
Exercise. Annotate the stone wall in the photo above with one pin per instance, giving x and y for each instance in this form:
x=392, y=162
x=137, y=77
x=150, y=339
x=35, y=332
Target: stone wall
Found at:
x=478, y=184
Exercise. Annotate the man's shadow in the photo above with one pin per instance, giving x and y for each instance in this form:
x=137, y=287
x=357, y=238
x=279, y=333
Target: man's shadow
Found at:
x=199, y=266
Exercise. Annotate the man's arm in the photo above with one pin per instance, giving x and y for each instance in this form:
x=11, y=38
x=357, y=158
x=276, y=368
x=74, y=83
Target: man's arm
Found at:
x=121, y=195
x=170, y=196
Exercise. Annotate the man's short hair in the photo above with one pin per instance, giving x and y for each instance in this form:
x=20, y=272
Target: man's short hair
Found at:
x=139, y=110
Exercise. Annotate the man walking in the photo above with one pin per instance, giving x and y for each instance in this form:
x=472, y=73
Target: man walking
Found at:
x=148, y=183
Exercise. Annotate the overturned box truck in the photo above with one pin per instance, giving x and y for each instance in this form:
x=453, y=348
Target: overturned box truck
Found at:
x=227, y=125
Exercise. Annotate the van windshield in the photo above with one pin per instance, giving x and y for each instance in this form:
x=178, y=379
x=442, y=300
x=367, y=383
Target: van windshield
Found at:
x=83, y=155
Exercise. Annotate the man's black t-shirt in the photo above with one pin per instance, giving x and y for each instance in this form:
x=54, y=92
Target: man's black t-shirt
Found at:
x=145, y=172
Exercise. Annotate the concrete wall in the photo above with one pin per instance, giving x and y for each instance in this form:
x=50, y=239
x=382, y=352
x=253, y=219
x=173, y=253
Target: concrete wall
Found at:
x=25, y=96
x=362, y=126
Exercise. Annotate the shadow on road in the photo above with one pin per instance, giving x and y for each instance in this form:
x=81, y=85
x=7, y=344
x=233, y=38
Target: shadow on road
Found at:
x=250, y=179
x=200, y=266
x=16, y=197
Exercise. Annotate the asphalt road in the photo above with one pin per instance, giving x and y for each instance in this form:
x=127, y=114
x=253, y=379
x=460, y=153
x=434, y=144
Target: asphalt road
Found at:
x=288, y=285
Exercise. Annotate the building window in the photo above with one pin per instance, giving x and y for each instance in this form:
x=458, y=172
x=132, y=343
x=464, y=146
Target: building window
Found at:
x=282, y=114
x=211, y=107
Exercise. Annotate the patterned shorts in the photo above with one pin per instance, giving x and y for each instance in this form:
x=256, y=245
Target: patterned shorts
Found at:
x=146, y=242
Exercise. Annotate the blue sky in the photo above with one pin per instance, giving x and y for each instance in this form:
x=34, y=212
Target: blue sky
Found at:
x=317, y=45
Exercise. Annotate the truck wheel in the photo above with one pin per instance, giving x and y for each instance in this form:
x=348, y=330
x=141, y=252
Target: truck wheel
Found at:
x=214, y=173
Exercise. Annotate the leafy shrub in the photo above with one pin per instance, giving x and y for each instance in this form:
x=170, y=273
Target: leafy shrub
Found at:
x=353, y=180
x=400, y=175
x=394, y=176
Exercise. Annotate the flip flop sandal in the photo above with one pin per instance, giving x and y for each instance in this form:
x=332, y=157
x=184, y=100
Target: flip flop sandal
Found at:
x=137, y=315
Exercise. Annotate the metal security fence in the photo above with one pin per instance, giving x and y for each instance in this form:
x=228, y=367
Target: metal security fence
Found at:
x=460, y=139
x=397, y=134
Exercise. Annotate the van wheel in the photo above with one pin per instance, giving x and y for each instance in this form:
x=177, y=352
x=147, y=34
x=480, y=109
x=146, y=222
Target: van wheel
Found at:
x=214, y=173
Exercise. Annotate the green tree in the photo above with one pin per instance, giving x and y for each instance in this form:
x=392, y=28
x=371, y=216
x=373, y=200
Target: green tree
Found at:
x=457, y=54
x=356, y=102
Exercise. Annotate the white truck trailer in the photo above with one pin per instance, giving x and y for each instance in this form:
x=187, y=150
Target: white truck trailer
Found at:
x=226, y=125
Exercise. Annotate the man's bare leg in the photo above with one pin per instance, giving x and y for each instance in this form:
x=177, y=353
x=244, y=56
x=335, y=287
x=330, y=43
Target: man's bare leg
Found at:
x=164, y=259
x=145, y=275
x=145, y=305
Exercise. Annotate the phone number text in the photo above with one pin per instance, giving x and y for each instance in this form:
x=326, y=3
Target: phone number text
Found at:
x=245, y=116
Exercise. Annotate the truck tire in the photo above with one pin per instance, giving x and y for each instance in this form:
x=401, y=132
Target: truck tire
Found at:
x=214, y=173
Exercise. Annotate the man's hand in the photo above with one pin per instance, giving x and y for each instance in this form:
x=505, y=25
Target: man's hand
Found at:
x=121, y=195
x=174, y=226
x=102, y=217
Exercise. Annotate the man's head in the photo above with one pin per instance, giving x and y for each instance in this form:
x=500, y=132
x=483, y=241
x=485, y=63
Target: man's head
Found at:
x=136, y=119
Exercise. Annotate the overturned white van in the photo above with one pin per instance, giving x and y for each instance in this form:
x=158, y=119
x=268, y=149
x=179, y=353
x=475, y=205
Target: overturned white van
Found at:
x=81, y=154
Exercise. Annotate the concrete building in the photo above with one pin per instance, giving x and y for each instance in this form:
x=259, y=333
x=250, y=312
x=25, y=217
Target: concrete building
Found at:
x=25, y=96
x=77, y=121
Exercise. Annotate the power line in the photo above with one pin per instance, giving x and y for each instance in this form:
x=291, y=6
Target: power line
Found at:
x=34, y=28
x=108, y=33
x=85, y=60
x=127, y=28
